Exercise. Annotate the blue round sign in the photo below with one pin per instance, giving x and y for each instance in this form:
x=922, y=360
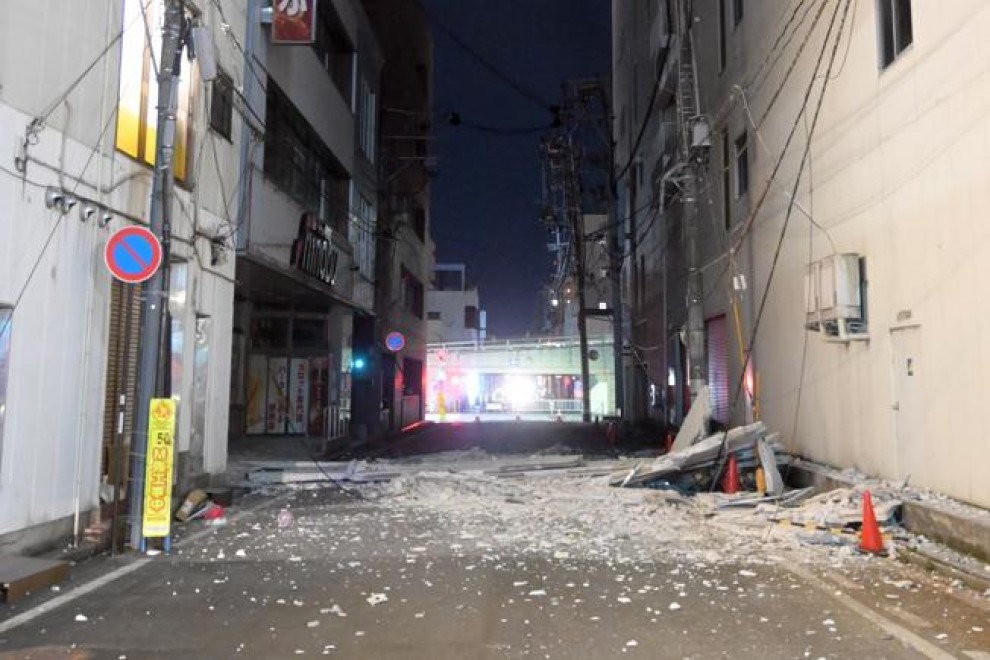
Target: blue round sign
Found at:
x=133, y=254
x=395, y=341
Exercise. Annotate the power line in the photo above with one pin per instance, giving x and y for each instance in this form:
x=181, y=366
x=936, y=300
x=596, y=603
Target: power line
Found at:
x=518, y=87
x=40, y=119
x=58, y=222
x=797, y=181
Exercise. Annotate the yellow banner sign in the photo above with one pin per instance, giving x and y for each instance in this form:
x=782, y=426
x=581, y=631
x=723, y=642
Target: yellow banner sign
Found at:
x=158, y=469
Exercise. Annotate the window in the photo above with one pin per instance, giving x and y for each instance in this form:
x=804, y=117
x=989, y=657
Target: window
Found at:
x=433, y=316
x=737, y=12
x=222, y=104
x=471, y=317
x=726, y=183
x=412, y=293
x=364, y=223
x=367, y=120
x=334, y=49
x=6, y=323
x=721, y=36
x=742, y=166
x=297, y=161
x=137, y=97
x=894, y=29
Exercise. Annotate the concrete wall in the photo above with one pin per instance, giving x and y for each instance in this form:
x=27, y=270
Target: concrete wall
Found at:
x=50, y=458
x=898, y=174
x=450, y=325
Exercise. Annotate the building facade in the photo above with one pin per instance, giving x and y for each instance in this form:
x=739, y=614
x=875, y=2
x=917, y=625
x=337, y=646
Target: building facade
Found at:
x=405, y=251
x=841, y=192
x=308, y=221
x=78, y=129
x=453, y=307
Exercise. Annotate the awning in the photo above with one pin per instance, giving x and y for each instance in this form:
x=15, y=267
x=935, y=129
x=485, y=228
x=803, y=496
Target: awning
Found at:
x=265, y=281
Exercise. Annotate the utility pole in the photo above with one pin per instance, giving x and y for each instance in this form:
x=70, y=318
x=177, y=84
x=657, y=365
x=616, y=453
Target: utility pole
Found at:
x=695, y=141
x=615, y=267
x=150, y=383
x=577, y=227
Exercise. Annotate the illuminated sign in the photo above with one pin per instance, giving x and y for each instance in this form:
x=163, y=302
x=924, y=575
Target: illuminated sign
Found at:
x=158, y=469
x=313, y=252
x=293, y=21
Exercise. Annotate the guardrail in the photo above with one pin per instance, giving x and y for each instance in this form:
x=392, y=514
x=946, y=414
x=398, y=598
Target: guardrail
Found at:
x=335, y=423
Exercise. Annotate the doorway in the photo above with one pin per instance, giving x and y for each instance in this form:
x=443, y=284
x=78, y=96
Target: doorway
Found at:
x=908, y=405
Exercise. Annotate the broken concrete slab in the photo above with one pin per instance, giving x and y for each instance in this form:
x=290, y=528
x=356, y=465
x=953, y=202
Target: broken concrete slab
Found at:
x=696, y=422
x=696, y=456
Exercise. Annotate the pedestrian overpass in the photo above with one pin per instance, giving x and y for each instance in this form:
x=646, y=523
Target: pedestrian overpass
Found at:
x=531, y=378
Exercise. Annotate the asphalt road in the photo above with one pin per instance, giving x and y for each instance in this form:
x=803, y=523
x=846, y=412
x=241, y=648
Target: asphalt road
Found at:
x=411, y=571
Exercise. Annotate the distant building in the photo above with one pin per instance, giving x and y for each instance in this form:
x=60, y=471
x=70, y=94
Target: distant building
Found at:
x=453, y=306
x=392, y=395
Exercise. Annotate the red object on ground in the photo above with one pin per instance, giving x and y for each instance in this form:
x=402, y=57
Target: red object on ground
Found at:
x=870, y=539
x=730, y=480
x=610, y=434
x=214, y=512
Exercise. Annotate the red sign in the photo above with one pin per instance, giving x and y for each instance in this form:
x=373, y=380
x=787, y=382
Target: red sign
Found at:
x=133, y=254
x=293, y=21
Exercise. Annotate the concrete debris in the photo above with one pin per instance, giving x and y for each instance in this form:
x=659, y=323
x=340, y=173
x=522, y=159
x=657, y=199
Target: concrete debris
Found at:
x=286, y=472
x=712, y=452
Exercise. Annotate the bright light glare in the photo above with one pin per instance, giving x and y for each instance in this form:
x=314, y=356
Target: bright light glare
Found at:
x=472, y=384
x=521, y=389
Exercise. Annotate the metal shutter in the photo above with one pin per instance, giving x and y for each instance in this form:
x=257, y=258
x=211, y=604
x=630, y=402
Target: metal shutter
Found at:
x=716, y=341
x=121, y=377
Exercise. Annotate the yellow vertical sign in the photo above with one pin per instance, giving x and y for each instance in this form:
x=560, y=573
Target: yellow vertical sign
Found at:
x=158, y=469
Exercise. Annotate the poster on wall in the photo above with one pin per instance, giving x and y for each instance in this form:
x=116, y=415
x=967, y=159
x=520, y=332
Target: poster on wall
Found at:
x=278, y=395
x=293, y=21
x=257, y=394
x=299, y=396
x=319, y=369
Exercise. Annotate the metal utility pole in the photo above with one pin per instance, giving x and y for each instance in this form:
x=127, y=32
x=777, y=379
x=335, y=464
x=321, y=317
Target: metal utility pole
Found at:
x=577, y=226
x=615, y=269
x=150, y=383
x=695, y=141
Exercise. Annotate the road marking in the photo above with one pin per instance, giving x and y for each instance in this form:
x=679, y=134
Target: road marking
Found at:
x=918, y=643
x=37, y=611
x=59, y=601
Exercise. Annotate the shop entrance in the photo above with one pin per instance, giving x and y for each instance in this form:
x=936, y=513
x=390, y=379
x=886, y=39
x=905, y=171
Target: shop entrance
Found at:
x=292, y=381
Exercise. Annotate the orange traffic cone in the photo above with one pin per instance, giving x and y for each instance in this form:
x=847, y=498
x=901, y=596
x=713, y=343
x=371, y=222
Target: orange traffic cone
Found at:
x=870, y=539
x=730, y=480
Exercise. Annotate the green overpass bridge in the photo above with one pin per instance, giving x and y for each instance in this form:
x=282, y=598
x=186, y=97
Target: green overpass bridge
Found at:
x=532, y=378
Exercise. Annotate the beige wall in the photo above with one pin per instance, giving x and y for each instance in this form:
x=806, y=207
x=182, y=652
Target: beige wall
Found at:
x=899, y=174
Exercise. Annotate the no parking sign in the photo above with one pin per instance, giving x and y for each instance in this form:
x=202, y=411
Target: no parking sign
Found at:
x=133, y=254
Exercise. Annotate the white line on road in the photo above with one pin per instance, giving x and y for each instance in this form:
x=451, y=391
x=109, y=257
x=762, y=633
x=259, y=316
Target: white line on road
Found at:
x=918, y=643
x=103, y=580
x=59, y=601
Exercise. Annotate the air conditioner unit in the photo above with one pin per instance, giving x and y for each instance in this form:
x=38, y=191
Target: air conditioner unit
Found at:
x=833, y=294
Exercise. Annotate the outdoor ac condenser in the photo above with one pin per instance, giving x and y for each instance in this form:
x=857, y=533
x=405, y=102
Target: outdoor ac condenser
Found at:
x=832, y=291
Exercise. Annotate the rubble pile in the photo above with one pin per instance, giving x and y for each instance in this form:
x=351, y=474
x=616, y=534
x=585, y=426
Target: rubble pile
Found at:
x=697, y=467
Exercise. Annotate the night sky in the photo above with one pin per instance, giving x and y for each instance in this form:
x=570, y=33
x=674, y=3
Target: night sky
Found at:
x=486, y=199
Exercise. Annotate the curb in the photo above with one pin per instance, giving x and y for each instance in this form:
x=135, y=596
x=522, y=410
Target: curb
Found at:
x=958, y=532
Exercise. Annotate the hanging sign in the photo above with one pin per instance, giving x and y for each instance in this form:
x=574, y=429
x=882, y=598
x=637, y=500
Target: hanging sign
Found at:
x=293, y=21
x=158, y=469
